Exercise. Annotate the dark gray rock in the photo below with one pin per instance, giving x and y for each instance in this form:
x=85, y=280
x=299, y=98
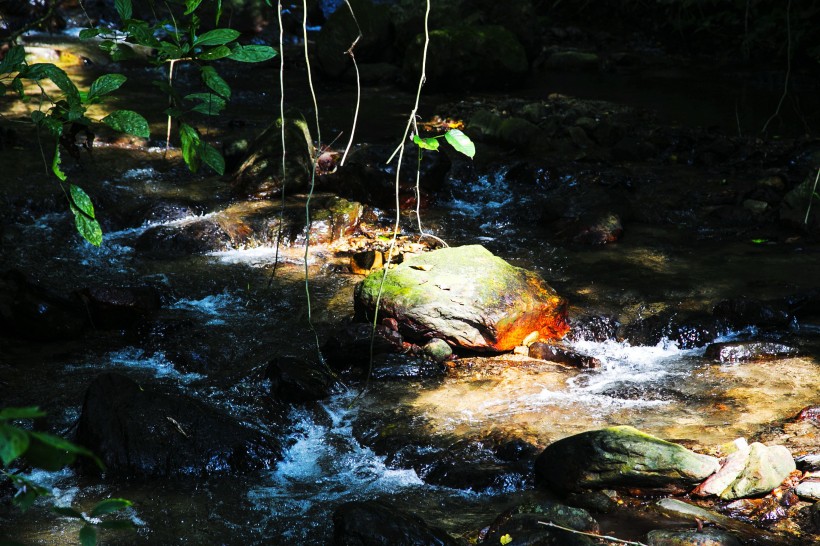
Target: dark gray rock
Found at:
x=112, y=307
x=296, y=380
x=746, y=351
x=32, y=312
x=138, y=431
x=563, y=355
x=378, y=523
x=703, y=537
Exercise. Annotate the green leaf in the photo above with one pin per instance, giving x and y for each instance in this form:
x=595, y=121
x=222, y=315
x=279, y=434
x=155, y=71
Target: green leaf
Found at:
x=460, y=142
x=55, y=164
x=191, y=144
x=127, y=121
x=45, y=455
x=426, y=143
x=14, y=57
x=123, y=8
x=31, y=412
x=191, y=5
x=116, y=524
x=215, y=82
x=218, y=11
x=59, y=77
x=252, y=53
x=217, y=36
x=170, y=51
x=88, y=33
x=110, y=505
x=67, y=511
x=210, y=104
x=212, y=158
x=52, y=125
x=90, y=230
x=88, y=536
x=106, y=84
x=81, y=200
x=142, y=33
x=13, y=443
x=219, y=52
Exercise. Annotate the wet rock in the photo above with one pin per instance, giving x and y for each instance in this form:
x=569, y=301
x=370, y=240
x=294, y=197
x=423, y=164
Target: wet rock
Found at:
x=795, y=204
x=468, y=57
x=466, y=296
x=809, y=488
x=30, y=311
x=742, y=312
x=340, y=31
x=563, y=355
x=113, y=307
x=687, y=331
x=438, y=349
x=349, y=347
x=527, y=530
x=745, y=351
x=364, y=263
x=296, y=380
x=397, y=367
x=814, y=514
x=599, y=230
x=603, y=501
x=702, y=537
x=620, y=457
x=379, y=523
x=749, y=471
x=195, y=236
x=572, y=60
x=632, y=148
x=592, y=328
x=139, y=431
x=566, y=516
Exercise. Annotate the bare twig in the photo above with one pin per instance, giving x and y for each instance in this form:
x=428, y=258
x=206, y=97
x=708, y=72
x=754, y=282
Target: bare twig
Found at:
x=811, y=197
x=601, y=537
x=358, y=82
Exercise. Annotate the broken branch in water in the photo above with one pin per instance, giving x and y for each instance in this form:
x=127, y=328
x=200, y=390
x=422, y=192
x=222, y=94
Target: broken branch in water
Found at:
x=604, y=537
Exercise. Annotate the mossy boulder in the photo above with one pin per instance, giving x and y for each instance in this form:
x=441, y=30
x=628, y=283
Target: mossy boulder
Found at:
x=467, y=297
x=469, y=57
x=620, y=456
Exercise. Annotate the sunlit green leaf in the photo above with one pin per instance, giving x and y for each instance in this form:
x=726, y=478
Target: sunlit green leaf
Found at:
x=252, y=53
x=13, y=443
x=88, y=33
x=218, y=52
x=127, y=121
x=217, y=36
x=88, y=536
x=88, y=228
x=106, y=84
x=212, y=158
x=460, y=142
x=67, y=511
x=31, y=412
x=123, y=8
x=14, y=57
x=81, y=200
x=55, y=164
x=191, y=5
x=109, y=505
x=210, y=104
x=426, y=143
x=190, y=140
x=215, y=82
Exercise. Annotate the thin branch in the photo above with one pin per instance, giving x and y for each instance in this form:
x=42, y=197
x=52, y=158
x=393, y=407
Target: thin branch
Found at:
x=811, y=198
x=601, y=537
x=282, y=120
x=788, y=66
x=422, y=233
x=358, y=82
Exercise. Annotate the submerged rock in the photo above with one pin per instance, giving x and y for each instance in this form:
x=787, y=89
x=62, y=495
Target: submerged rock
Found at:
x=745, y=351
x=466, y=296
x=33, y=312
x=378, y=523
x=138, y=431
x=620, y=456
x=701, y=537
x=119, y=307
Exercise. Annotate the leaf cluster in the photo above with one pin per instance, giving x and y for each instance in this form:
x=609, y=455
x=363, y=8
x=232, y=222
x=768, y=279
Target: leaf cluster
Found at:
x=20, y=447
x=454, y=137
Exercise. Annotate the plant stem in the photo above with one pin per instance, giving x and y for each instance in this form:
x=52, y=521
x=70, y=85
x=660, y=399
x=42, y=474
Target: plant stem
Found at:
x=358, y=82
x=602, y=537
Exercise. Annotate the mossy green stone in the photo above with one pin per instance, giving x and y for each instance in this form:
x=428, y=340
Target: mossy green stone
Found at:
x=620, y=456
x=466, y=296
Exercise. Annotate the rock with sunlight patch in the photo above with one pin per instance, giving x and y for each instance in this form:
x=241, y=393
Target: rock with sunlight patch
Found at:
x=749, y=471
x=140, y=431
x=620, y=456
x=467, y=297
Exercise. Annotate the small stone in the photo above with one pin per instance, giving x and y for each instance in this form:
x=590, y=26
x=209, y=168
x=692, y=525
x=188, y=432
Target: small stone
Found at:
x=755, y=206
x=521, y=350
x=809, y=488
x=438, y=349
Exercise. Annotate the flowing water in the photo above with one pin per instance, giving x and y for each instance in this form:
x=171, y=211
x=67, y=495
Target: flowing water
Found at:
x=240, y=318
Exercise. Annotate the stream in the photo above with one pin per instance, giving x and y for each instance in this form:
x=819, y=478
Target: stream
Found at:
x=229, y=316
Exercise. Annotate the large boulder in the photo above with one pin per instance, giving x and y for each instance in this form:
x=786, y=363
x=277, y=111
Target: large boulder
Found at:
x=620, y=456
x=467, y=297
x=139, y=431
x=374, y=523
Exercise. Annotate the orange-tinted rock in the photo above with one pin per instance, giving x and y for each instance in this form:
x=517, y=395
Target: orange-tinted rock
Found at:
x=466, y=296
